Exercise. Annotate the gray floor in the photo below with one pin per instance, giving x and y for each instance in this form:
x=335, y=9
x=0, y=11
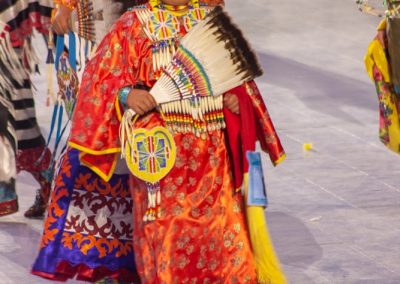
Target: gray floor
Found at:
x=334, y=213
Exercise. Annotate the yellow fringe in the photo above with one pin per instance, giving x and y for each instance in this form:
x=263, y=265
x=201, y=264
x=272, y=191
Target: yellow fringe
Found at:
x=267, y=263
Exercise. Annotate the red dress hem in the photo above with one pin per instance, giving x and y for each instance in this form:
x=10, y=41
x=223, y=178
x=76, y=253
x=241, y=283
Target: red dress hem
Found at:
x=82, y=272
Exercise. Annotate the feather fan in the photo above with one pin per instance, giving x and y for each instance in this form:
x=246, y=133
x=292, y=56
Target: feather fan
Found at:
x=211, y=59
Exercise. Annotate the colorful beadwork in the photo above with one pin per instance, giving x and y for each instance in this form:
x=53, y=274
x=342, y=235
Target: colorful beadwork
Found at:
x=182, y=70
x=86, y=18
x=163, y=25
x=68, y=83
x=193, y=18
x=123, y=95
x=150, y=156
x=198, y=115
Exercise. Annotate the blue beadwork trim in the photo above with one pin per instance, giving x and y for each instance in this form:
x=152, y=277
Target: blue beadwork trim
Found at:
x=123, y=95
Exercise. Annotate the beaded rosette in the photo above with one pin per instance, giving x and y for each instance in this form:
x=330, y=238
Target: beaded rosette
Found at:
x=150, y=156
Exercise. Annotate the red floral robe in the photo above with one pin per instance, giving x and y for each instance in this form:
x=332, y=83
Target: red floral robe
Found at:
x=201, y=236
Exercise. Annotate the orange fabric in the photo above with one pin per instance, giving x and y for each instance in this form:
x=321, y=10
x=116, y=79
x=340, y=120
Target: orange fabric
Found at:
x=120, y=61
x=266, y=133
x=68, y=3
x=201, y=235
x=202, y=232
x=103, y=165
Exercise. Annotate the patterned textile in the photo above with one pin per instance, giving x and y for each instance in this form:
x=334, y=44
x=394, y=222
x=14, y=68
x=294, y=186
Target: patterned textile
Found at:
x=243, y=132
x=88, y=230
x=24, y=130
x=7, y=130
x=24, y=117
x=8, y=140
x=22, y=17
x=126, y=65
x=31, y=143
x=201, y=234
x=378, y=68
x=17, y=97
x=35, y=161
x=389, y=112
x=25, y=15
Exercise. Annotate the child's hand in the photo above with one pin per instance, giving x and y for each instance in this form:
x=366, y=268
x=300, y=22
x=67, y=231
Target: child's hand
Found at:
x=231, y=101
x=62, y=22
x=141, y=101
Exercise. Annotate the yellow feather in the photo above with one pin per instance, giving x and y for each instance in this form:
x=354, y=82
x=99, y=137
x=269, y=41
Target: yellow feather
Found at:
x=267, y=264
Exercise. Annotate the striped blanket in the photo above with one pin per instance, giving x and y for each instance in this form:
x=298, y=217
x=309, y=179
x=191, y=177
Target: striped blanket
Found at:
x=24, y=16
x=18, y=20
